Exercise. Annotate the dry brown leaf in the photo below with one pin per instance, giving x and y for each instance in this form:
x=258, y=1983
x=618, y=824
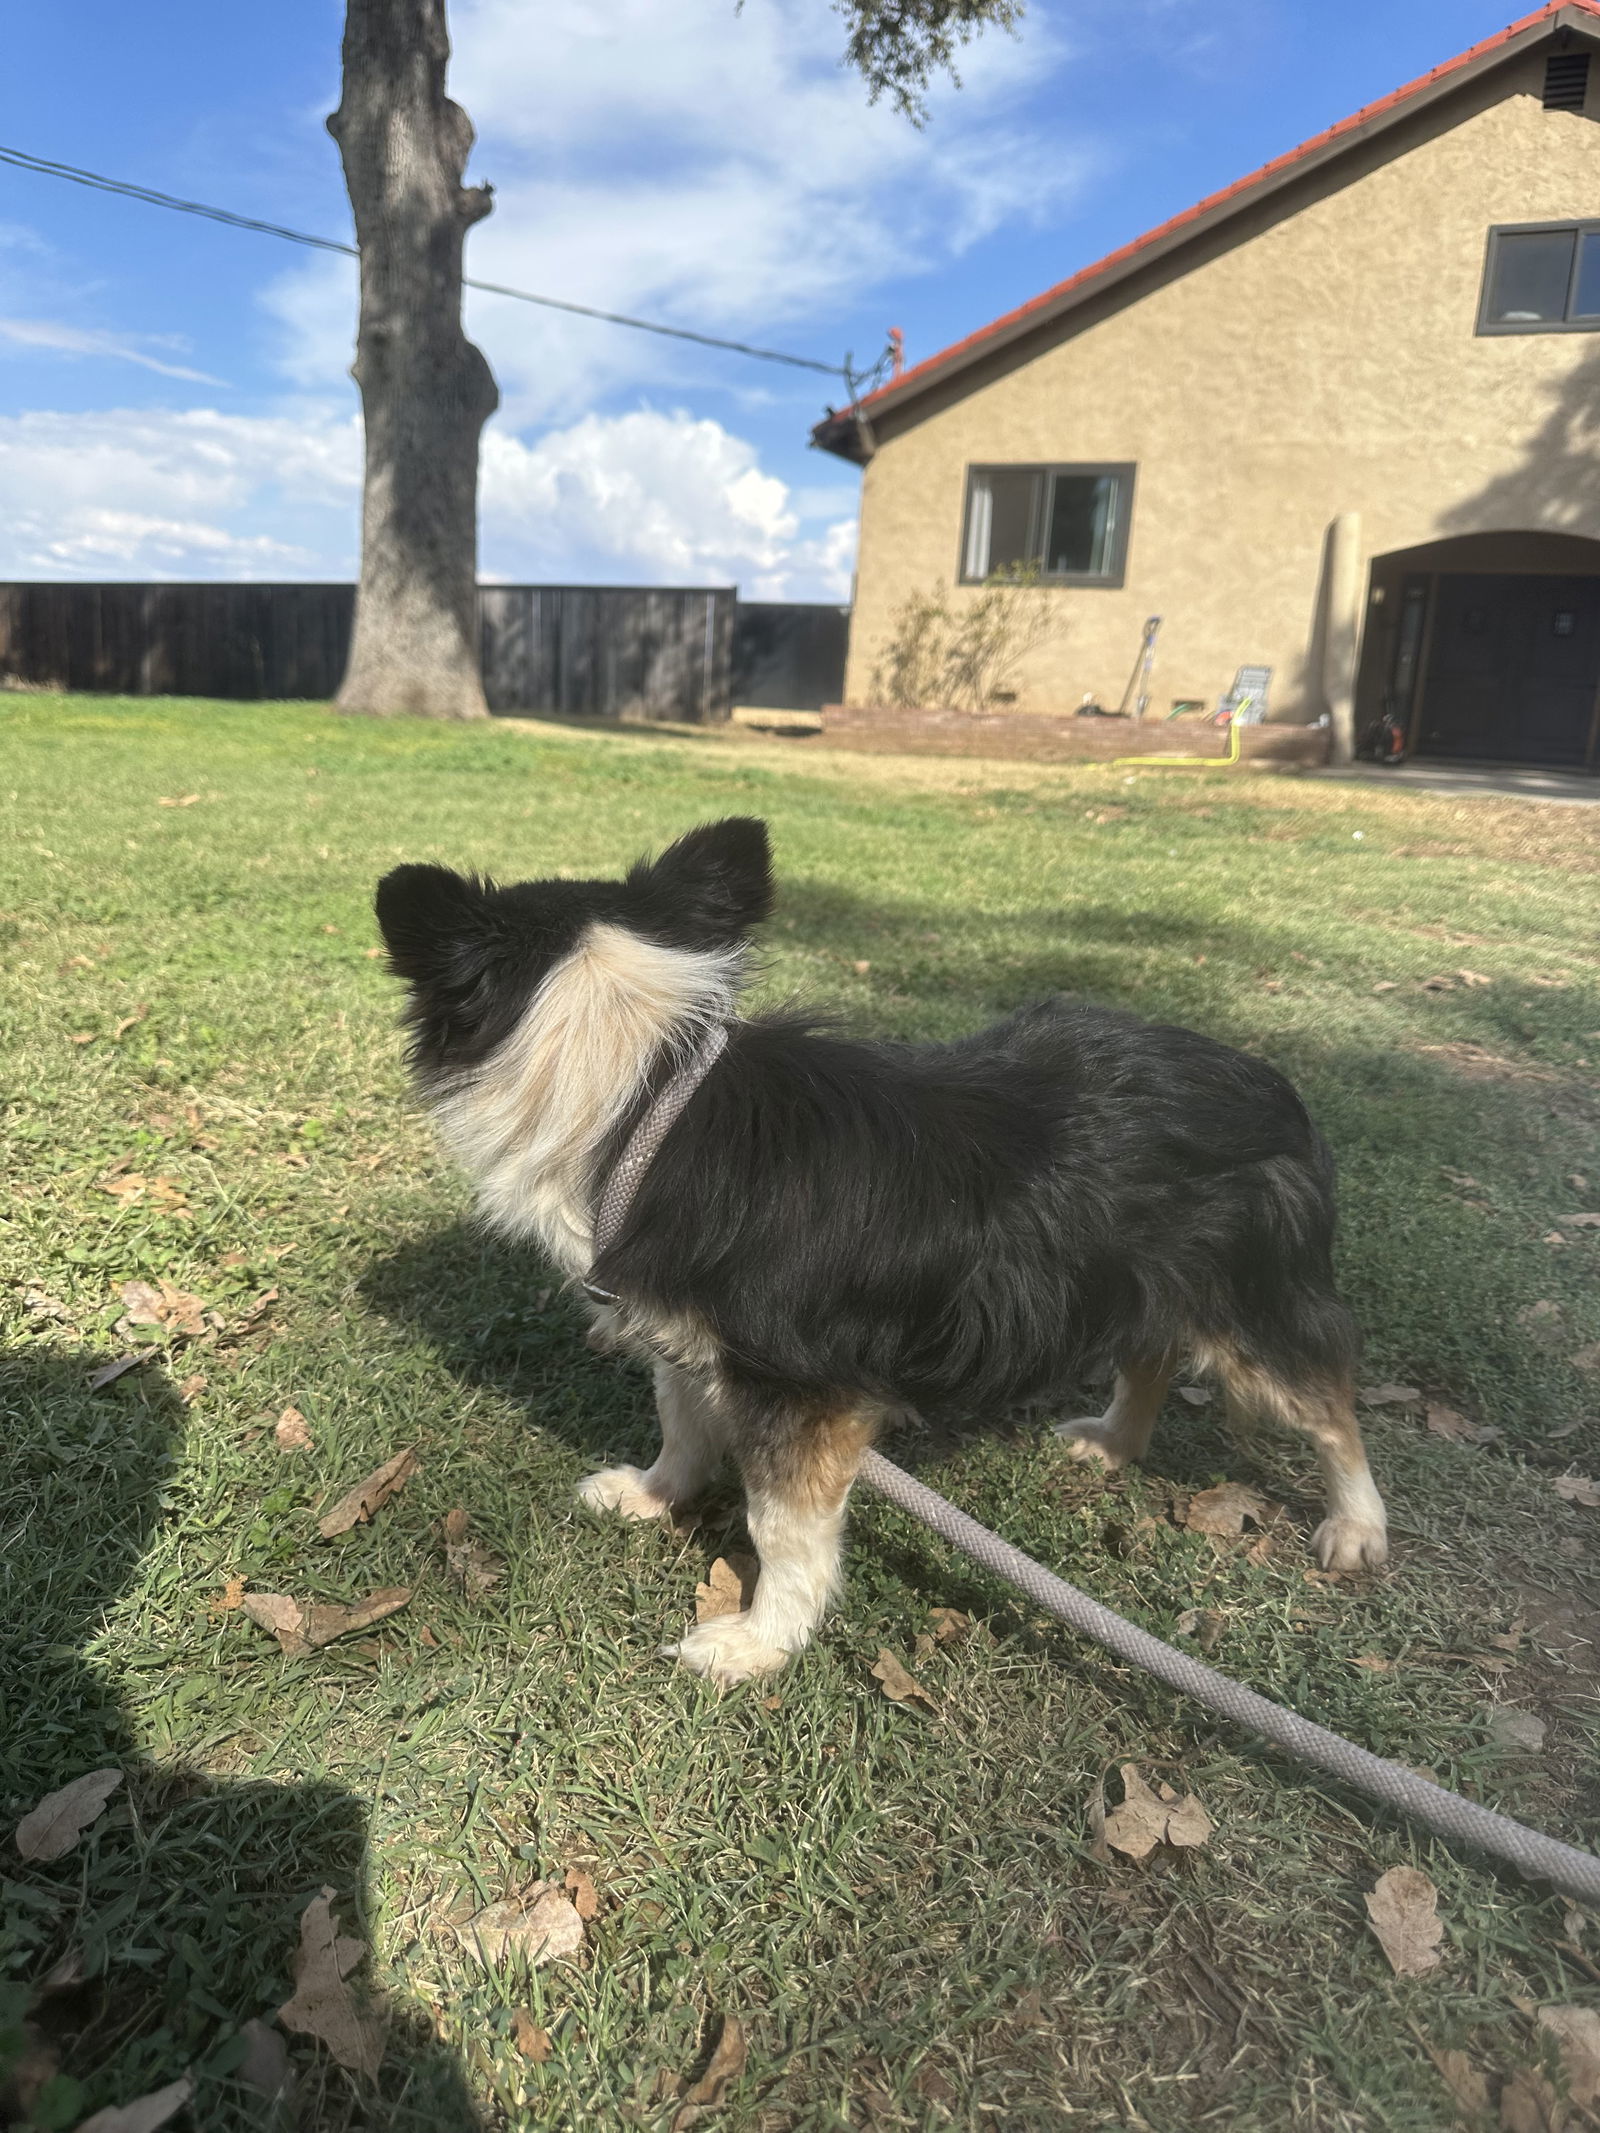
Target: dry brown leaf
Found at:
x=292, y=1432
x=231, y=1597
x=1587, y=1358
x=585, y=1896
x=1403, y=1908
x=1577, y=2032
x=1528, y=2104
x=530, y=2040
x=1371, y=1662
x=50, y=1830
x=300, y=1628
x=1473, y=977
x=1456, y=1429
x=728, y=1589
x=898, y=1685
x=1204, y=1624
x=950, y=1625
x=323, y=2005
x=108, y=1373
x=358, y=1505
x=1579, y=1221
x=1390, y=1396
x=192, y=1387
x=128, y=1022
x=253, y=1313
x=1224, y=1509
x=726, y=2065
x=540, y=1927
x=1146, y=1819
x=1578, y=1488
x=1462, y=2079
x=187, y=800
x=145, y=2114
x=265, y=2066
x=161, y=1304
x=473, y=1567
x=861, y=968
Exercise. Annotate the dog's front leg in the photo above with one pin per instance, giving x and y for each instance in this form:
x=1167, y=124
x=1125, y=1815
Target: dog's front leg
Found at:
x=797, y=1467
x=694, y=1434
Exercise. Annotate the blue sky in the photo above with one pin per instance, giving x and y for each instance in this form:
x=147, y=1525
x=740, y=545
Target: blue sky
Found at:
x=173, y=395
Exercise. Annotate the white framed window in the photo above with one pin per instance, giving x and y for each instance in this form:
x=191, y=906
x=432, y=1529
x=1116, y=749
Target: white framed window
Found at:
x=1067, y=522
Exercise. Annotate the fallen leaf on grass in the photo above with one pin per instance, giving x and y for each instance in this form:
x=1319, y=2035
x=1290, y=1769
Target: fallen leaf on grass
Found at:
x=1511, y=1728
x=145, y=2114
x=1473, y=977
x=1528, y=2104
x=1468, y=2087
x=728, y=1589
x=192, y=1387
x=129, y=1022
x=898, y=1685
x=323, y=2006
x=726, y=2065
x=542, y=1926
x=1225, y=1509
x=1403, y=1909
x=1146, y=1819
x=1456, y=1429
x=161, y=1304
x=585, y=1896
x=1372, y=1664
x=108, y=1373
x=1579, y=1221
x=188, y=800
x=358, y=1505
x=1387, y=985
x=300, y=1628
x=292, y=1432
x=950, y=1625
x=265, y=2066
x=250, y=1318
x=530, y=2040
x=231, y=1597
x=1587, y=1358
x=1577, y=2032
x=50, y=1830
x=1204, y=1624
x=1578, y=1488
x=1390, y=1396
x=470, y=1565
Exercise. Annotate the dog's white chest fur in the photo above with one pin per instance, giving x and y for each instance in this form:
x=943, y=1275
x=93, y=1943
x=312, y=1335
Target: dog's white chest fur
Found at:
x=530, y=1123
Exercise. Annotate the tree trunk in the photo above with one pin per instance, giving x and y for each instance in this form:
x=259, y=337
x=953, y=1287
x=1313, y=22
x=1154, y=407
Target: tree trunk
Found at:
x=426, y=391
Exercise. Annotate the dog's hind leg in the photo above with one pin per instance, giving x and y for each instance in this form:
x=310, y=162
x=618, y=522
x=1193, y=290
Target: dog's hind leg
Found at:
x=1123, y=1432
x=797, y=1468
x=694, y=1435
x=1354, y=1535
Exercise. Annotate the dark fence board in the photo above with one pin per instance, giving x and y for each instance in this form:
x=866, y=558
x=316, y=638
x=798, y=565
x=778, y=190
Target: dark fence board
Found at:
x=572, y=651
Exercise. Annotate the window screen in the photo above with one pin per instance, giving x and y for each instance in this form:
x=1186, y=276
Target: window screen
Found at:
x=1542, y=279
x=1069, y=523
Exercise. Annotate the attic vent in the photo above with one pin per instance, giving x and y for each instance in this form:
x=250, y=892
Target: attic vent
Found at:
x=1566, y=81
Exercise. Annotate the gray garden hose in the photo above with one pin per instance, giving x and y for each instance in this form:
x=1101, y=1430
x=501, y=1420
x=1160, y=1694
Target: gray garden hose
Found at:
x=1536, y=1857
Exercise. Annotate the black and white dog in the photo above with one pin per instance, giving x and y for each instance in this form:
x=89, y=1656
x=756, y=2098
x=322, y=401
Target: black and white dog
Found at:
x=831, y=1232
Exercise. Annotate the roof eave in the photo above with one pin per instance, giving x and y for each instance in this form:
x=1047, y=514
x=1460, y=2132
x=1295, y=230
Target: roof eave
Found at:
x=847, y=432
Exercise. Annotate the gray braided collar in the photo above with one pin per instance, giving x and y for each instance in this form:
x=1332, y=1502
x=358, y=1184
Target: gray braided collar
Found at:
x=646, y=1138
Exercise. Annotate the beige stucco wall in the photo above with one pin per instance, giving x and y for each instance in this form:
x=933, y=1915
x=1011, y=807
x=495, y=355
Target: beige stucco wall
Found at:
x=1325, y=364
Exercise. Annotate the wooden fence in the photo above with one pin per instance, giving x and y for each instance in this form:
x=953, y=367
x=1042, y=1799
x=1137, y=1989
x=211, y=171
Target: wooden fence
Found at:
x=624, y=652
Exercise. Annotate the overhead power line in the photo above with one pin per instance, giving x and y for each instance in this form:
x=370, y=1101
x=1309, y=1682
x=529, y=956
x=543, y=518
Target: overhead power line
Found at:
x=21, y=160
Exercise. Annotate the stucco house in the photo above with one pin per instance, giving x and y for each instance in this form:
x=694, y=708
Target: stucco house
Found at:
x=1341, y=420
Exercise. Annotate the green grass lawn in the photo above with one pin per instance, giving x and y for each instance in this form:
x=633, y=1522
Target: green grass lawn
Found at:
x=904, y=1909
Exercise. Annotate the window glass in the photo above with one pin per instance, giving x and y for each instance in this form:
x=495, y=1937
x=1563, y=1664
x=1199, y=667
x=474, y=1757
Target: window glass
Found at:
x=1586, y=296
x=1532, y=272
x=1082, y=521
x=1011, y=515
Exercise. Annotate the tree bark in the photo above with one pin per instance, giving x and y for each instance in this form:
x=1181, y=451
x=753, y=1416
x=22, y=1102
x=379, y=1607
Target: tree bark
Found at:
x=426, y=391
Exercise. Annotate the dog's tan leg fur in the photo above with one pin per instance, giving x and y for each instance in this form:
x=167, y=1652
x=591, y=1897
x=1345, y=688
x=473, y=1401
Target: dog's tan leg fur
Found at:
x=693, y=1440
x=1123, y=1432
x=794, y=1505
x=1354, y=1535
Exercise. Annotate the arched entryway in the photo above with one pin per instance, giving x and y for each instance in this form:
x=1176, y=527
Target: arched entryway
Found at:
x=1487, y=648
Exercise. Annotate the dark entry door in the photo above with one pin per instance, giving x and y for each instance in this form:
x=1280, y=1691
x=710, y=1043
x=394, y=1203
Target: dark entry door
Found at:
x=1513, y=669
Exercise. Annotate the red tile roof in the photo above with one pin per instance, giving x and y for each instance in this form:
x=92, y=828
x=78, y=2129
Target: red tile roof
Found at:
x=1064, y=292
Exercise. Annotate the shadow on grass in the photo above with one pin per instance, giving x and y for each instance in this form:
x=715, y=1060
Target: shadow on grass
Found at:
x=177, y=1914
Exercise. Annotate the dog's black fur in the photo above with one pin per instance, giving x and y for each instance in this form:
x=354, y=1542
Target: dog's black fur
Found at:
x=957, y=1229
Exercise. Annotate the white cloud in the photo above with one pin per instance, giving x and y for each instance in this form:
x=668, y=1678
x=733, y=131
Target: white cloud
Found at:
x=643, y=497
x=709, y=166
x=63, y=339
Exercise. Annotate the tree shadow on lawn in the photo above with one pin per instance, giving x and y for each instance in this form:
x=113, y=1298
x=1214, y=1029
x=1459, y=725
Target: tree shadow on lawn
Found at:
x=179, y=1910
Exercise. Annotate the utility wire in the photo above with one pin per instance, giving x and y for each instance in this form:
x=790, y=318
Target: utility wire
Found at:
x=100, y=183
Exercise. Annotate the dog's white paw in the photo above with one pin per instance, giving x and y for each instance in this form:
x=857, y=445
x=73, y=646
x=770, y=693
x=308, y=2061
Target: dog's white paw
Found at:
x=1351, y=1544
x=725, y=1651
x=622, y=1489
x=1090, y=1439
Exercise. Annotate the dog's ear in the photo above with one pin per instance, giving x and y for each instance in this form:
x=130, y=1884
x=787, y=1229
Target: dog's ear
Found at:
x=435, y=925
x=711, y=886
